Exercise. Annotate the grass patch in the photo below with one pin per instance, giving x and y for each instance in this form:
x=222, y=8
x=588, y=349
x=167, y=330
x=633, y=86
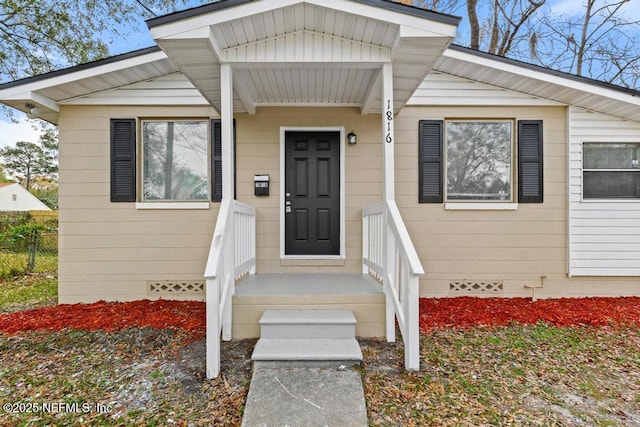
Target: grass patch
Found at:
x=13, y=264
x=138, y=376
x=28, y=292
x=513, y=375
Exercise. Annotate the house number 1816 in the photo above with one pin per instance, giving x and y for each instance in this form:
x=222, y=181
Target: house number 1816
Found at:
x=389, y=120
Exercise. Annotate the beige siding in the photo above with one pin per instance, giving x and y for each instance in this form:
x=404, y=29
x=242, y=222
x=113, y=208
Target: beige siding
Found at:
x=258, y=152
x=112, y=251
x=604, y=236
x=514, y=248
x=109, y=251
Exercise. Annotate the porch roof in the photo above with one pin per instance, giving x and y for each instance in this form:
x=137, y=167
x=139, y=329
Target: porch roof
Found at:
x=304, y=53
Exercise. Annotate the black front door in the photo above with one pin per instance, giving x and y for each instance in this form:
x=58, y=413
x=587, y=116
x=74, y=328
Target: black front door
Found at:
x=312, y=193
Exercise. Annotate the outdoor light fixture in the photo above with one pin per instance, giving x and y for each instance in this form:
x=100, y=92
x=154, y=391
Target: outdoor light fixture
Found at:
x=352, y=138
x=33, y=112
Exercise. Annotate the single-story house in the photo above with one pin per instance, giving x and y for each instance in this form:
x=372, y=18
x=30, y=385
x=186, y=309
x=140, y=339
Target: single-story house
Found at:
x=262, y=141
x=15, y=198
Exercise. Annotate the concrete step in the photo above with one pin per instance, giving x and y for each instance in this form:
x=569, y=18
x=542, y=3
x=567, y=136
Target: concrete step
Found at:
x=307, y=335
x=301, y=349
x=321, y=324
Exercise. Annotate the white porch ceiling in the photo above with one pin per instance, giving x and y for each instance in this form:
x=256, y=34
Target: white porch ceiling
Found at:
x=304, y=53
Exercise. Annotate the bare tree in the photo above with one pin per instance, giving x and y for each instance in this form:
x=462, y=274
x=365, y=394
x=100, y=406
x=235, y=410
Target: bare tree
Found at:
x=495, y=26
x=511, y=24
x=597, y=41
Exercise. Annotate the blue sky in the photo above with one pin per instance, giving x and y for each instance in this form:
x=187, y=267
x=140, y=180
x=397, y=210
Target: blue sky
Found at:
x=139, y=37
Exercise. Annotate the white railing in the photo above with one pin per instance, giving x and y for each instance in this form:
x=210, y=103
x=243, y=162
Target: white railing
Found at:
x=232, y=255
x=389, y=255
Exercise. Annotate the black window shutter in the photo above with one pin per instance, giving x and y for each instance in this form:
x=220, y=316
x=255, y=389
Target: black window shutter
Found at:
x=430, y=168
x=530, y=161
x=123, y=160
x=216, y=158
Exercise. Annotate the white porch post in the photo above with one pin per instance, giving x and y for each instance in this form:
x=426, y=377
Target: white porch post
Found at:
x=388, y=136
x=388, y=193
x=226, y=114
x=228, y=183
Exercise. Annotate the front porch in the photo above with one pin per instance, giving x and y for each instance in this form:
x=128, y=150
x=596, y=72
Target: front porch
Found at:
x=358, y=293
x=290, y=54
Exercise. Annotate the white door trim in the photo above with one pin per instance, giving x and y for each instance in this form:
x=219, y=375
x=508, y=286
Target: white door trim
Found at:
x=283, y=131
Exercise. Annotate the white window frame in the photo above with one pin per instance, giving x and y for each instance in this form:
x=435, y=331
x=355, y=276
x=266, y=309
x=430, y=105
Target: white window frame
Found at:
x=503, y=205
x=173, y=204
x=583, y=170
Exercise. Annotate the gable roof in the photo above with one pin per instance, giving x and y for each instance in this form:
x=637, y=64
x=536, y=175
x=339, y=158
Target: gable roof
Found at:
x=49, y=91
x=332, y=50
x=14, y=197
x=223, y=4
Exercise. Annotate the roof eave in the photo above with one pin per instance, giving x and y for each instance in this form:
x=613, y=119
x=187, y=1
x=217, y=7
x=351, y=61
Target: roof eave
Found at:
x=547, y=71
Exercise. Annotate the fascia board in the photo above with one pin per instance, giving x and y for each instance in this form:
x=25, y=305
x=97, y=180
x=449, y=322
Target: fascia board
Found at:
x=72, y=76
x=542, y=76
x=416, y=23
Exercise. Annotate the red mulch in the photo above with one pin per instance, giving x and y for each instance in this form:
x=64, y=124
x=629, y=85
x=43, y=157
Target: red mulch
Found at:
x=109, y=316
x=434, y=313
x=467, y=311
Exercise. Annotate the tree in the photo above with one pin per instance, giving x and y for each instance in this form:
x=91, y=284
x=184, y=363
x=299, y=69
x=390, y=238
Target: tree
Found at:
x=46, y=190
x=595, y=39
x=37, y=36
x=28, y=160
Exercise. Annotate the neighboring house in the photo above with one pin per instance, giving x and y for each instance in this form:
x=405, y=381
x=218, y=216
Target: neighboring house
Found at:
x=14, y=197
x=336, y=137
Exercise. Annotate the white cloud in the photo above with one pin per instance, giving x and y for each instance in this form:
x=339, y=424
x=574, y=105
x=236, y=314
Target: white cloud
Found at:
x=10, y=133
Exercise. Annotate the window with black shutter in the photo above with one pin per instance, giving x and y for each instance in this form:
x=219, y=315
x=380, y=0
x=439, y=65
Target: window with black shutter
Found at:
x=530, y=161
x=123, y=160
x=478, y=164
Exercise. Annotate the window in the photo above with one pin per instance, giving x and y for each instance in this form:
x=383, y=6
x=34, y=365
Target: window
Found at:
x=175, y=160
x=478, y=163
x=611, y=171
x=479, y=160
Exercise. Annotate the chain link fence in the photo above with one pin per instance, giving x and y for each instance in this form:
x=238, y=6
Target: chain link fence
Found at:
x=28, y=242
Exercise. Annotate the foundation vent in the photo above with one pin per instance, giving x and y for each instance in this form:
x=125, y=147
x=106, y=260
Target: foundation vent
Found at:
x=175, y=287
x=470, y=287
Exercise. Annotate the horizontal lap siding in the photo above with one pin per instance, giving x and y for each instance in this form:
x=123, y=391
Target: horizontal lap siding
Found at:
x=110, y=250
x=604, y=236
x=513, y=247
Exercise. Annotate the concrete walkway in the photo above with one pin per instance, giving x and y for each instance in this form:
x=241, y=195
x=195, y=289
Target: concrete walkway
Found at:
x=304, y=395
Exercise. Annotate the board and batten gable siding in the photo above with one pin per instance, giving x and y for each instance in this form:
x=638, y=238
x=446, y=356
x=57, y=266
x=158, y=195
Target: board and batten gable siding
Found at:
x=109, y=251
x=604, y=236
